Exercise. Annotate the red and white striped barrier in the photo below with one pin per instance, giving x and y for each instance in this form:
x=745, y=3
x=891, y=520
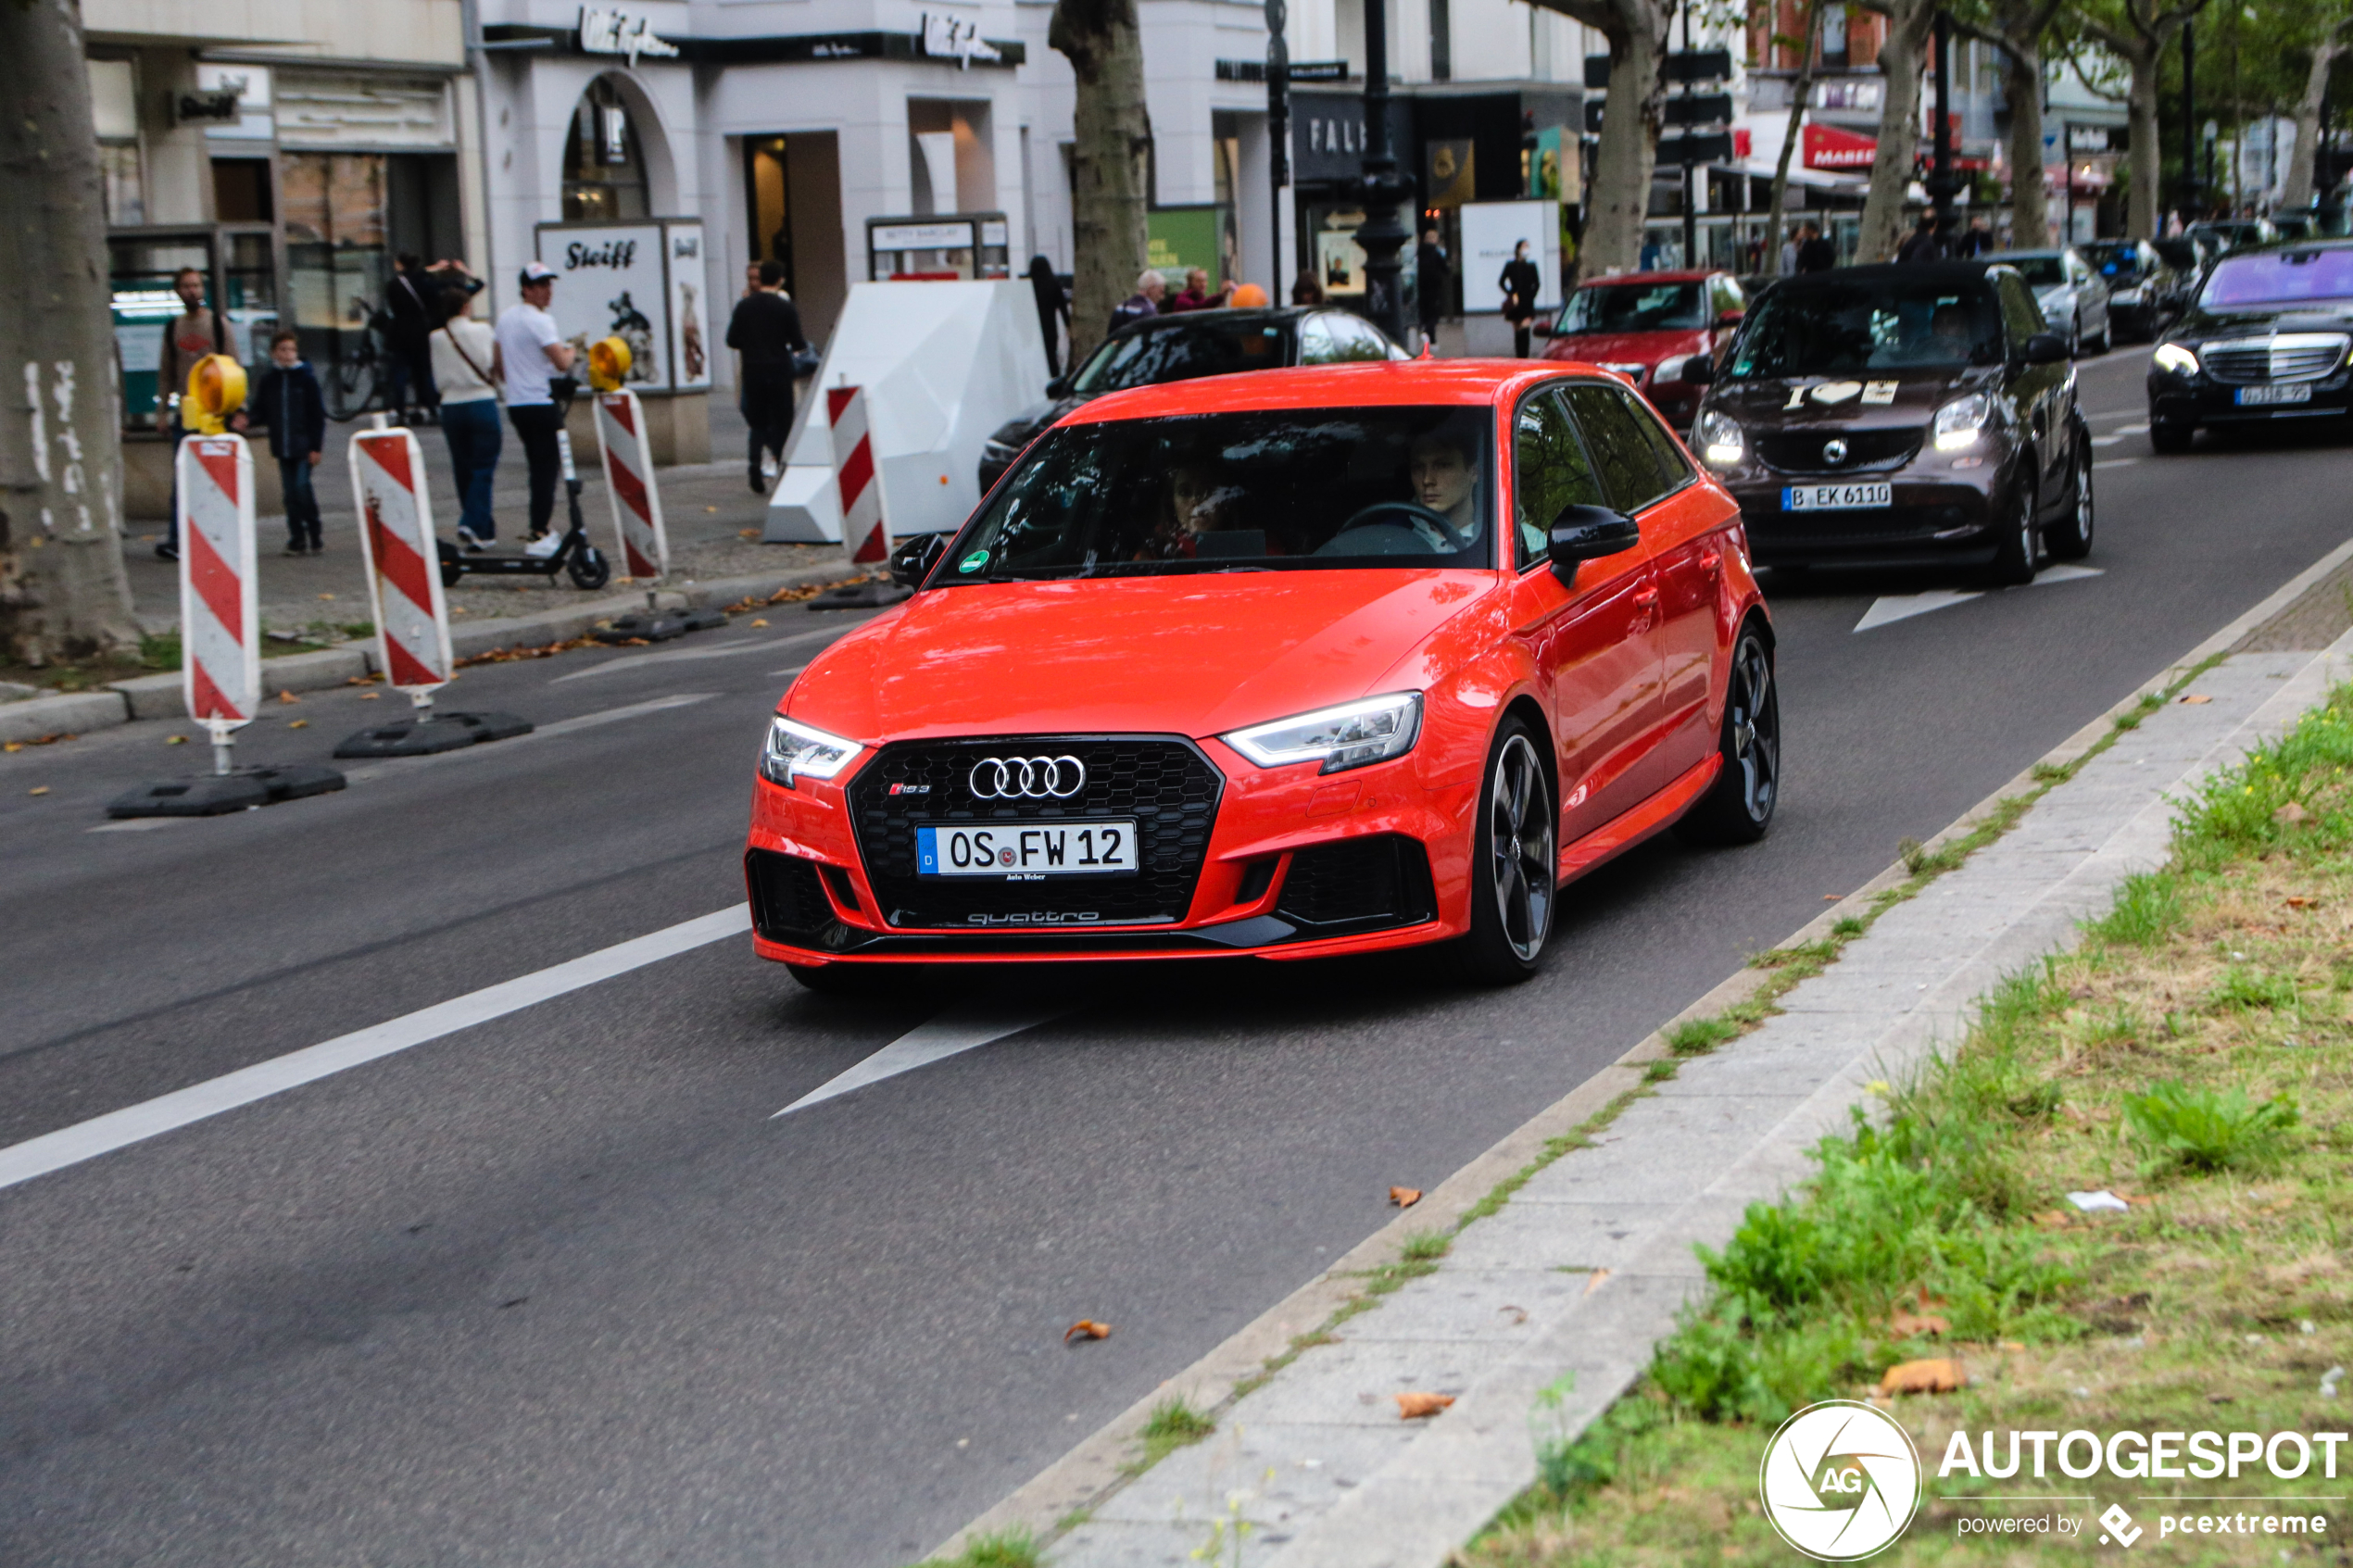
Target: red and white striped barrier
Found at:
x=864, y=532
x=403, y=559
x=631, y=485
x=219, y=601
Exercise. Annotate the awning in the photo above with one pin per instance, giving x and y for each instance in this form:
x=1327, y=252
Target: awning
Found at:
x=1826, y=146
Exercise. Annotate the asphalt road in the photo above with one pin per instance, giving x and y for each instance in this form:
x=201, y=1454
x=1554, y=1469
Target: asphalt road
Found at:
x=559, y=1288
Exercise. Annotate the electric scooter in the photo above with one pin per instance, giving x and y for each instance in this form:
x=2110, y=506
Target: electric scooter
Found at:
x=572, y=555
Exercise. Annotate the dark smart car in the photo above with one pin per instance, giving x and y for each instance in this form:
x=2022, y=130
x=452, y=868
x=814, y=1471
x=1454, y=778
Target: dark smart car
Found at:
x=1882, y=416
x=2268, y=339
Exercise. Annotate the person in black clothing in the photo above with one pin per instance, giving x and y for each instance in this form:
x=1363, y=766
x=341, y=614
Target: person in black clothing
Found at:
x=1433, y=282
x=765, y=329
x=1924, y=243
x=1519, y=282
x=1815, y=254
x=289, y=399
x=409, y=338
x=1053, y=305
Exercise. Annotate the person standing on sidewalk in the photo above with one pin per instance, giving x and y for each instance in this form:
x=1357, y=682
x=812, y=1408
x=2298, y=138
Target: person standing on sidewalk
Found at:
x=765, y=329
x=188, y=337
x=413, y=317
x=1053, y=310
x=1433, y=282
x=466, y=368
x=289, y=399
x=532, y=354
x=1519, y=282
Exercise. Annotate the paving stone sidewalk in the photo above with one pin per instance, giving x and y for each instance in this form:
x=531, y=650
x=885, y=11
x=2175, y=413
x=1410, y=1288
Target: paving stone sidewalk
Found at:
x=1568, y=1286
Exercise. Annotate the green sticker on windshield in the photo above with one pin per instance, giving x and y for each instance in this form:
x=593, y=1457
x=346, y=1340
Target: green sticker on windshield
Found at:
x=973, y=563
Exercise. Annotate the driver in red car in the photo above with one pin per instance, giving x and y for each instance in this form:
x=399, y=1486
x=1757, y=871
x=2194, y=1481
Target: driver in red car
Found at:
x=1444, y=470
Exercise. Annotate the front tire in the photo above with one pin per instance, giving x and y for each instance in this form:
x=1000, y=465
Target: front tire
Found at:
x=2075, y=338
x=1738, y=808
x=2171, y=438
x=1515, y=870
x=2070, y=537
x=2014, y=559
x=589, y=569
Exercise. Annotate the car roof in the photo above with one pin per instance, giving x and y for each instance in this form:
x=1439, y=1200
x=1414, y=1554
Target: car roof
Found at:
x=1683, y=277
x=1366, y=383
x=1229, y=317
x=1914, y=271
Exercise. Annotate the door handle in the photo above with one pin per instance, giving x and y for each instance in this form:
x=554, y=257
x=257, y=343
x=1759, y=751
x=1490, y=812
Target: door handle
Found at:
x=1710, y=560
x=1646, y=599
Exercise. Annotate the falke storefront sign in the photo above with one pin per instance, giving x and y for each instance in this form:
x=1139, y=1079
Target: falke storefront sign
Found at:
x=1328, y=134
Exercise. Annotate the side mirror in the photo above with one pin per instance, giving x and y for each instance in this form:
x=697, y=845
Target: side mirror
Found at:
x=2046, y=348
x=1058, y=387
x=1584, y=533
x=1730, y=318
x=1540, y=328
x=912, y=558
x=1699, y=370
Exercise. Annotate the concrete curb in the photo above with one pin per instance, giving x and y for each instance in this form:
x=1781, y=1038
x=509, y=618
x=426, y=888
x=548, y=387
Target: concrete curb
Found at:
x=1095, y=1469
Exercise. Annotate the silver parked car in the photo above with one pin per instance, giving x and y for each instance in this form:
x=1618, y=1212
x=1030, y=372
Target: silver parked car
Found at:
x=2073, y=300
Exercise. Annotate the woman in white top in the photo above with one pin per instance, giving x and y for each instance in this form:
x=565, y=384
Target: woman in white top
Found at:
x=466, y=366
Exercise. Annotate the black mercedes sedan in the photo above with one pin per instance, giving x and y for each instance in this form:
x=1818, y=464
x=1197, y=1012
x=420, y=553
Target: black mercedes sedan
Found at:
x=1913, y=415
x=1197, y=343
x=2266, y=340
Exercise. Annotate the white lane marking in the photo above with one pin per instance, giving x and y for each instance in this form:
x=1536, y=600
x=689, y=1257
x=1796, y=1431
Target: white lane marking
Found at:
x=574, y=725
x=135, y=1124
x=1893, y=607
x=2141, y=429
x=2116, y=440
x=952, y=1033
x=2116, y=463
x=141, y=824
x=793, y=669
x=681, y=656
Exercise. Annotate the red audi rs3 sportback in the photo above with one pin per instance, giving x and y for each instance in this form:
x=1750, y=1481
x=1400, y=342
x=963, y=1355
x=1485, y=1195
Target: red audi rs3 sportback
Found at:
x=1289, y=664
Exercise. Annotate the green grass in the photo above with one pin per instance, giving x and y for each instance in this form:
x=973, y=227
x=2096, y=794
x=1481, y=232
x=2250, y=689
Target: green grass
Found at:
x=1013, y=1548
x=1173, y=1425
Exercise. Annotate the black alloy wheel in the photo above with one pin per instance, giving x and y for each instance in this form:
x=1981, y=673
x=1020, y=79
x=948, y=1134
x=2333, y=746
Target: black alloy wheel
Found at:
x=2070, y=537
x=1516, y=869
x=2014, y=557
x=1738, y=808
x=2075, y=337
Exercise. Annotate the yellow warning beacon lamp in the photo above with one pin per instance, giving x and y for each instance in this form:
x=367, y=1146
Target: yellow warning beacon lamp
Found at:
x=216, y=390
x=608, y=361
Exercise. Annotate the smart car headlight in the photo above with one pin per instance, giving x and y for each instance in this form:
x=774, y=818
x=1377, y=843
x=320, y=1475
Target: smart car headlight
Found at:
x=1960, y=422
x=793, y=750
x=1348, y=737
x=2176, y=358
x=1719, y=439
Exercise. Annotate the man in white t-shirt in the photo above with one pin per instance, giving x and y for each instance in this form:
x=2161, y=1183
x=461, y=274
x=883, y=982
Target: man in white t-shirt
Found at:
x=533, y=352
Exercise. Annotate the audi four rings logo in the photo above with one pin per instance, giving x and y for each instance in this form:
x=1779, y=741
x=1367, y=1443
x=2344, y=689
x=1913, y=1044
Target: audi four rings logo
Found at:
x=1027, y=778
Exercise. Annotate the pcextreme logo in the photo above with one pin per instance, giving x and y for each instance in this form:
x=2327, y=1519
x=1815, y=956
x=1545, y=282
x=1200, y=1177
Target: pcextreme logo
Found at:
x=1841, y=1480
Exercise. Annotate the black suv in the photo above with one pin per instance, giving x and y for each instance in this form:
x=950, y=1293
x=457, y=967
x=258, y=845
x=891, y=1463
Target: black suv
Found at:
x=1199, y=342
x=1881, y=416
x=2267, y=339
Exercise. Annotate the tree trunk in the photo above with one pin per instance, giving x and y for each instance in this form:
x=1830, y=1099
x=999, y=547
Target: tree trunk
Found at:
x=63, y=594
x=2030, y=203
x=1800, y=90
x=1111, y=144
x=2140, y=222
x=2299, y=193
x=1629, y=150
x=1909, y=23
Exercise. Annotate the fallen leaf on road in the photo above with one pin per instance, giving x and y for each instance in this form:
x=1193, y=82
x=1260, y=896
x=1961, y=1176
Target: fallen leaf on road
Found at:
x=12, y=746
x=1595, y=1283
x=1939, y=1376
x=711, y=509
x=285, y=697
x=370, y=697
x=1416, y=1407
x=1833, y=898
x=299, y=724
x=2195, y=697
x=1405, y=1198
x=38, y=789
x=175, y=740
x=2291, y=814
x=760, y=623
x=744, y=533
x=2297, y=901
x=326, y=595
x=1087, y=1328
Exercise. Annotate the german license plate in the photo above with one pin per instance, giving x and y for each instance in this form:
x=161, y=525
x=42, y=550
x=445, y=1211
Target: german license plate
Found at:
x=1836, y=497
x=2259, y=396
x=1027, y=851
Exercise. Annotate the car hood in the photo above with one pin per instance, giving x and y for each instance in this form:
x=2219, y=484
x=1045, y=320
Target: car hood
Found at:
x=1193, y=656
x=2202, y=325
x=1764, y=404
x=1627, y=348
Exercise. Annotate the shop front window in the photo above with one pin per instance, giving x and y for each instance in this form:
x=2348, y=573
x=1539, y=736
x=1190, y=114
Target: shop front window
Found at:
x=604, y=165
x=338, y=263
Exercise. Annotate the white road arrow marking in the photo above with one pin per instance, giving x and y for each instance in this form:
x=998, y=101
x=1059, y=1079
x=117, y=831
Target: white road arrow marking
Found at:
x=1892, y=608
x=952, y=1033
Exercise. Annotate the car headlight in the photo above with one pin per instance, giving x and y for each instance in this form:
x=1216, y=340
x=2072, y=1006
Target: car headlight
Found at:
x=2175, y=357
x=1719, y=439
x=1348, y=737
x=1961, y=421
x=792, y=750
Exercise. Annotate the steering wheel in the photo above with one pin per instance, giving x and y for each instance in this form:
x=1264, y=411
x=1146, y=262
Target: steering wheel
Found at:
x=1446, y=531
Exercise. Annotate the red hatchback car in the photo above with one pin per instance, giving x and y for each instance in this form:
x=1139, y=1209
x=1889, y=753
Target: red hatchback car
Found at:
x=1647, y=326
x=1289, y=663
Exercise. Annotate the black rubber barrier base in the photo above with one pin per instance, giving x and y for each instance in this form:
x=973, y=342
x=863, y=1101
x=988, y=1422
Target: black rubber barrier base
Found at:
x=860, y=595
x=659, y=626
x=424, y=737
x=212, y=795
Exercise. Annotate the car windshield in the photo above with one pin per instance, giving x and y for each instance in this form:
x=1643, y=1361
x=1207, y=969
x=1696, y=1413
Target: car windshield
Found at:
x=2179, y=252
x=2280, y=277
x=1632, y=308
x=1889, y=322
x=1256, y=491
x=2118, y=264
x=1184, y=351
x=2042, y=271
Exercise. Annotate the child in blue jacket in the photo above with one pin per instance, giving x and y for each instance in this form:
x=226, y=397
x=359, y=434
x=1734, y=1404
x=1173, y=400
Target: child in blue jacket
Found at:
x=290, y=402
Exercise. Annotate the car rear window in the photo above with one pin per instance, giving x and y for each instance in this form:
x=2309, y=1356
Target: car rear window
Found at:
x=2283, y=277
x=1248, y=491
x=1843, y=327
x=1183, y=351
x=2042, y=271
x=1632, y=308
x=2118, y=264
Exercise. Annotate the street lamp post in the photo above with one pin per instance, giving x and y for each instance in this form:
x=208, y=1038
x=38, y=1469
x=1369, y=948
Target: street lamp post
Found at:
x=2189, y=124
x=1278, y=139
x=1940, y=180
x=1380, y=190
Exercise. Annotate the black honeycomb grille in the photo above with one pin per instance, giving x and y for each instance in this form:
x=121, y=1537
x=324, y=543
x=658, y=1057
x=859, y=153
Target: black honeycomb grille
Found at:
x=1378, y=880
x=1866, y=450
x=787, y=902
x=1167, y=787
